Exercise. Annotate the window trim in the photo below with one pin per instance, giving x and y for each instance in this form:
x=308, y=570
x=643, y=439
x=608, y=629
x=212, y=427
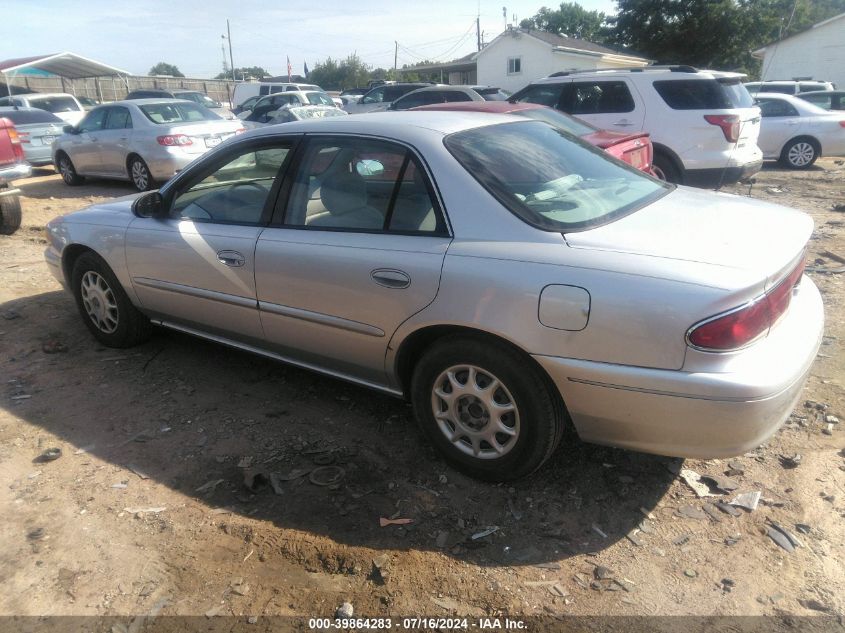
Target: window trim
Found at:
x=215, y=161
x=518, y=61
x=284, y=199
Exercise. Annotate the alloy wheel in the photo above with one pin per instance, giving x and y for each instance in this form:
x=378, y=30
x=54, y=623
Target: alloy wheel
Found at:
x=801, y=154
x=99, y=301
x=66, y=169
x=475, y=411
x=140, y=175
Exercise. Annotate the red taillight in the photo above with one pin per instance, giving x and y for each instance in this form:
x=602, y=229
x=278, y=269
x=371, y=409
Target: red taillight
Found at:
x=842, y=123
x=729, y=124
x=14, y=137
x=741, y=326
x=174, y=140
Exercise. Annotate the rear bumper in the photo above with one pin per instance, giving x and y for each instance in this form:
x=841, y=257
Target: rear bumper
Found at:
x=712, y=178
x=18, y=170
x=696, y=413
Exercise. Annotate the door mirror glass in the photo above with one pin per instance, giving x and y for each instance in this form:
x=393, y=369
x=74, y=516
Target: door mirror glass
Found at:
x=369, y=167
x=150, y=205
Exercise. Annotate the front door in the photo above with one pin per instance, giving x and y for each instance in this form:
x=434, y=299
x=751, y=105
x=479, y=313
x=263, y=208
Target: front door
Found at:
x=84, y=149
x=196, y=268
x=359, y=251
x=113, y=141
x=780, y=122
x=609, y=104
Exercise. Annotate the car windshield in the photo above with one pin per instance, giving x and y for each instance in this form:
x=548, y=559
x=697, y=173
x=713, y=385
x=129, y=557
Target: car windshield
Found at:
x=162, y=113
x=549, y=178
x=55, y=104
x=25, y=117
x=557, y=119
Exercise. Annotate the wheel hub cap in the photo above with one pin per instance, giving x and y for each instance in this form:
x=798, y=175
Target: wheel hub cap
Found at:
x=475, y=411
x=801, y=154
x=99, y=301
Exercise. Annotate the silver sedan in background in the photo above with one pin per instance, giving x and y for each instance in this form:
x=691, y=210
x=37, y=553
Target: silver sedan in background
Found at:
x=37, y=129
x=505, y=276
x=144, y=141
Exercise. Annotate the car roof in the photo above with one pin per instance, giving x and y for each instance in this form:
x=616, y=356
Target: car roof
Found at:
x=500, y=107
x=837, y=93
x=33, y=95
x=664, y=72
x=145, y=101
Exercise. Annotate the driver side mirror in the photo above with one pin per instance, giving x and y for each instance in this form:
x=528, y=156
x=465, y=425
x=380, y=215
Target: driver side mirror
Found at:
x=150, y=205
x=69, y=129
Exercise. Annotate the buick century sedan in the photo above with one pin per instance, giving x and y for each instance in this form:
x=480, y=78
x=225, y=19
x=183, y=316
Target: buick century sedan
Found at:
x=503, y=275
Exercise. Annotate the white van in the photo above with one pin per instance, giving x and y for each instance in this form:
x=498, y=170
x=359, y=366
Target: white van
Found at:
x=244, y=91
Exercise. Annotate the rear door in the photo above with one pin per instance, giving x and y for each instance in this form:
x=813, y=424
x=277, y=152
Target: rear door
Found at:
x=359, y=250
x=114, y=141
x=609, y=104
x=780, y=123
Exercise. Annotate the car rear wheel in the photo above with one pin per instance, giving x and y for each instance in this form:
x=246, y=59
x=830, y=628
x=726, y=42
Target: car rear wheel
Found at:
x=10, y=214
x=140, y=174
x=665, y=169
x=68, y=171
x=106, y=310
x=799, y=153
x=490, y=411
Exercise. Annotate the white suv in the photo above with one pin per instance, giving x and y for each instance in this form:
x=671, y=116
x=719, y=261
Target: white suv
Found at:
x=703, y=123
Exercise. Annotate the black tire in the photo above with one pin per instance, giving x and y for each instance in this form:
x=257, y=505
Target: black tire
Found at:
x=10, y=214
x=140, y=174
x=799, y=153
x=64, y=165
x=120, y=325
x=538, y=417
x=666, y=169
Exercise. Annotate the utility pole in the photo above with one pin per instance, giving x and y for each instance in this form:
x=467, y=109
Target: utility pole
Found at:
x=231, y=62
x=478, y=31
x=395, y=59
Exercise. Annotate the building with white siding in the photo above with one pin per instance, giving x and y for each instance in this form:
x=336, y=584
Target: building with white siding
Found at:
x=817, y=53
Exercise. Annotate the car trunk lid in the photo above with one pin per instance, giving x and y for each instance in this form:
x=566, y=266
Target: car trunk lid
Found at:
x=206, y=134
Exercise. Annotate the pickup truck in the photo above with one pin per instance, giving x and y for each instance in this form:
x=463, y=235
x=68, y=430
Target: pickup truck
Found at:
x=12, y=166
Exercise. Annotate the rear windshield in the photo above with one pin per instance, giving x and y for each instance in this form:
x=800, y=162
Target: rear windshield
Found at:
x=549, y=178
x=55, y=104
x=162, y=113
x=704, y=94
x=319, y=98
x=25, y=117
x=493, y=94
x=557, y=119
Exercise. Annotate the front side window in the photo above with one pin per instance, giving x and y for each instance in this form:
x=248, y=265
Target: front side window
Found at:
x=93, y=121
x=362, y=184
x=119, y=119
x=550, y=179
x=541, y=94
x=599, y=97
x=776, y=108
x=514, y=65
x=162, y=113
x=235, y=192
x=374, y=96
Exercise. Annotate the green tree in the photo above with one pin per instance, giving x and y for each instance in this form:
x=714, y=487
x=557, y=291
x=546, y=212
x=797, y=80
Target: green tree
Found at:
x=163, y=68
x=252, y=72
x=331, y=74
x=571, y=19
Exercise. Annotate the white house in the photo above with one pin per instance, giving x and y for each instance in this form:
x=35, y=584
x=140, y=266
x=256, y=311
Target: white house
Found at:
x=519, y=56
x=818, y=53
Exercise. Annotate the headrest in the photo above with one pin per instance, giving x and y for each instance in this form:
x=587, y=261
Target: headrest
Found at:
x=343, y=192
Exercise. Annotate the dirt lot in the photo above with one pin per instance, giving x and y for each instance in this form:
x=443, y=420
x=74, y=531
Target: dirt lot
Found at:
x=147, y=511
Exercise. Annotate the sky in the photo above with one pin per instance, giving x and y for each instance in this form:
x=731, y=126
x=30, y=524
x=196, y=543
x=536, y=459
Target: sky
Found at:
x=135, y=36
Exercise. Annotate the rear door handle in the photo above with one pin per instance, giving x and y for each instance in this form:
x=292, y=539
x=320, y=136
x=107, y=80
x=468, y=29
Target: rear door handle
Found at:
x=623, y=123
x=231, y=258
x=390, y=278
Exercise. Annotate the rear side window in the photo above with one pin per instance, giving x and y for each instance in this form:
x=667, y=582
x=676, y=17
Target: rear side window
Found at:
x=542, y=94
x=119, y=119
x=784, y=89
x=598, y=97
x=775, y=107
x=24, y=117
x=693, y=94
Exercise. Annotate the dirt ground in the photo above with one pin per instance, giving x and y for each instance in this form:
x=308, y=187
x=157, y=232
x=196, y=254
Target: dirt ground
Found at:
x=146, y=511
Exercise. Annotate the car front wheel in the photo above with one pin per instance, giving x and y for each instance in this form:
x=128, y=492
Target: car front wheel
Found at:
x=105, y=308
x=799, y=154
x=487, y=408
x=68, y=171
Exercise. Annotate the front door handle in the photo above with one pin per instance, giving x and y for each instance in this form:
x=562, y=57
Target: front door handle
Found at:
x=623, y=123
x=390, y=278
x=231, y=258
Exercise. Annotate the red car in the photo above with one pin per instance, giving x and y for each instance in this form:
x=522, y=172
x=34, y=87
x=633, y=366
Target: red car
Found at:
x=12, y=165
x=634, y=149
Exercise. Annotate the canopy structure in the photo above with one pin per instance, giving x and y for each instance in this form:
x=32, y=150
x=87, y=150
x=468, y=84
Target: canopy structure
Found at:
x=64, y=65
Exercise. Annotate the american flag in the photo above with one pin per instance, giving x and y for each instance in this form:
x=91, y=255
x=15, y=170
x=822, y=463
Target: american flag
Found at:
x=290, y=69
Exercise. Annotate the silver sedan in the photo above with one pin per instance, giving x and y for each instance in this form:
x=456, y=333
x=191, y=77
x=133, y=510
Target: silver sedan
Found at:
x=143, y=140
x=506, y=277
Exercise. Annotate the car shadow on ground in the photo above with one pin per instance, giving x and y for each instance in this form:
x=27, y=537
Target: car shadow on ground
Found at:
x=41, y=186
x=214, y=424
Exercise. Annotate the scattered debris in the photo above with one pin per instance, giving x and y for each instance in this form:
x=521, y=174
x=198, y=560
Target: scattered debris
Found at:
x=828, y=430
x=36, y=534
x=383, y=522
x=747, y=500
x=600, y=572
x=599, y=531
x=831, y=419
x=693, y=480
x=727, y=584
x=736, y=468
x=646, y=526
x=632, y=536
x=326, y=475
x=276, y=484
x=712, y=511
x=733, y=539
x=255, y=480
x=814, y=605
x=690, y=573
x=450, y=604
x=294, y=474
x=691, y=512
x=834, y=256
x=120, y=486
x=442, y=539
x=581, y=580
x=683, y=539
x=246, y=462
x=51, y=454
x=214, y=610
x=381, y=567
x=721, y=483
x=152, y=510
x=790, y=462
x=552, y=566
x=239, y=587
x=558, y=591
x=646, y=513
x=728, y=509
x=779, y=538
x=211, y=485
x=790, y=537
x=140, y=473
x=485, y=532
x=803, y=528
x=345, y=611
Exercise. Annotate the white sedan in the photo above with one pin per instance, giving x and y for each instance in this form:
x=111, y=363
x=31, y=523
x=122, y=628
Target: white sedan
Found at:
x=796, y=132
